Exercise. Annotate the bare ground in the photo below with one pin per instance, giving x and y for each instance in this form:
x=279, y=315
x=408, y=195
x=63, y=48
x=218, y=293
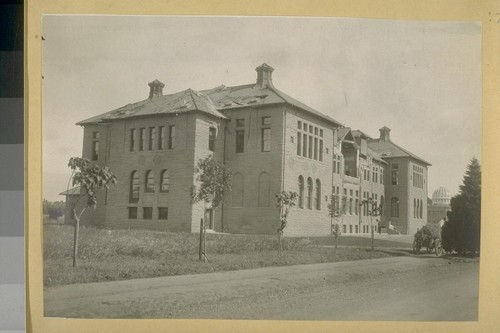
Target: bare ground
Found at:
x=397, y=288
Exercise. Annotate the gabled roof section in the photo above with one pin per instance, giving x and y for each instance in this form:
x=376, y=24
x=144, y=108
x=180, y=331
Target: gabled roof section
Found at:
x=360, y=134
x=181, y=102
x=71, y=191
x=225, y=98
x=344, y=132
x=387, y=149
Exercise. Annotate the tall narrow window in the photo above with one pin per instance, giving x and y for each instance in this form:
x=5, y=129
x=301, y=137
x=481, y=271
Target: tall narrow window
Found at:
x=132, y=139
x=321, y=149
x=350, y=205
x=417, y=213
x=356, y=207
x=150, y=182
x=304, y=145
x=134, y=187
x=382, y=205
x=301, y=192
x=421, y=210
x=171, y=137
x=414, y=208
x=164, y=181
x=264, y=190
x=152, y=138
x=310, y=146
x=394, y=207
x=309, y=192
x=237, y=190
x=142, y=138
x=318, y=194
x=95, y=146
x=240, y=135
x=395, y=174
x=161, y=138
x=316, y=148
x=211, y=138
x=266, y=134
x=299, y=143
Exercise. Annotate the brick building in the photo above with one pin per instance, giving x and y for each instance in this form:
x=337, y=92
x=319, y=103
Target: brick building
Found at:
x=269, y=140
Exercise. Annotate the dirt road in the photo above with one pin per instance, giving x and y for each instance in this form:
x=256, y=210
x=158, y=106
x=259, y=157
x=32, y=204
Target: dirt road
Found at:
x=397, y=288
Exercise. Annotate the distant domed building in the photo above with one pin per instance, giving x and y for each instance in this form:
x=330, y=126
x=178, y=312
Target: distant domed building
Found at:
x=441, y=199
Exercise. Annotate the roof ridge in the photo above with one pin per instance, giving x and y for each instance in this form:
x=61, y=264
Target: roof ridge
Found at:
x=405, y=150
x=194, y=102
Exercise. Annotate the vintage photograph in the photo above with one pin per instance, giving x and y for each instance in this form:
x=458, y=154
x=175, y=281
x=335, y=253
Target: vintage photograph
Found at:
x=261, y=168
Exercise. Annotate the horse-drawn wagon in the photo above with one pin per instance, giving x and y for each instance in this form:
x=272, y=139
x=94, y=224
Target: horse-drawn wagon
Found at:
x=430, y=238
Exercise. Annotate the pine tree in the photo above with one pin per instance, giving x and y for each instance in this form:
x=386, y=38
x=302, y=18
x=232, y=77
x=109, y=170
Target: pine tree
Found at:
x=463, y=229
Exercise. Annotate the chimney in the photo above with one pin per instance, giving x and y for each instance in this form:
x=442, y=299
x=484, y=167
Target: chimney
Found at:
x=385, y=134
x=155, y=89
x=264, y=76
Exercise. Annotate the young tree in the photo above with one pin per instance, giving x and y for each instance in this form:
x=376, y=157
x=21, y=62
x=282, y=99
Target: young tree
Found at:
x=90, y=178
x=214, y=183
x=285, y=201
x=336, y=211
x=461, y=232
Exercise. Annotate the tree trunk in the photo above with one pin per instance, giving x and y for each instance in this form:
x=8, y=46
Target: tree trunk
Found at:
x=201, y=241
x=336, y=241
x=280, y=248
x=204, y=243
x=75, y=239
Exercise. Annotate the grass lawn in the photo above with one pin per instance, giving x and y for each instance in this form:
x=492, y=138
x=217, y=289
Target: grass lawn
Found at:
x=109, y=255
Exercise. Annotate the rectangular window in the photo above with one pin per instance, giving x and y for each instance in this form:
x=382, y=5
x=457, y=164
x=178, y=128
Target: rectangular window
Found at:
x=344, y=229
x=211, y=138
x=395, y=174
x=147, y=213
x=350, y=229
x=299, y=125
x=161, y=138
x=132, y=213
x=305, y=127
x=334, y=163
x=321, y=133
x=240, y=141
x=132, y=139
x=266, y=139
x=311, y=128
x=310, y=145
x=95, y=146
x=162, y=213
x=304, y=145
x=356, y=228
x=316, y=148
x=321, y=150
x=171, y=137
x=142, y=138
x=266, y=134
x=152, y=138
x=315, y=131
x=240, y=135
x=299, y=143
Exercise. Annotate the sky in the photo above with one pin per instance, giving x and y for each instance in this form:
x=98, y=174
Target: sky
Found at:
x=422, y=79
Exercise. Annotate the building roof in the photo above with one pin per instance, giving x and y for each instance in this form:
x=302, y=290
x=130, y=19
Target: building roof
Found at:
x=210, y=101
x=387, y=149
x=71, y=191
x=225, y=98
x=181, y=102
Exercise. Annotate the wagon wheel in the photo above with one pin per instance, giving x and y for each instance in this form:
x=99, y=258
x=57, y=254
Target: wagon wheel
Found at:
x=439, y=249
x=416, y=248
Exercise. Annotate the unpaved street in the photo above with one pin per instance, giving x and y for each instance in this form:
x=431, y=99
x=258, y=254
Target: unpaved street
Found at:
x=397, y=288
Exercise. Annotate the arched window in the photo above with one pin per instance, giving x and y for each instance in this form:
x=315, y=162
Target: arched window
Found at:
x=309, y=192
x=150, y=181
x=134, y=187
x=318, y=194
x=237, y=190
x=264, y=190
x=301, y=192
x=164, y=181
x=394, y=207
